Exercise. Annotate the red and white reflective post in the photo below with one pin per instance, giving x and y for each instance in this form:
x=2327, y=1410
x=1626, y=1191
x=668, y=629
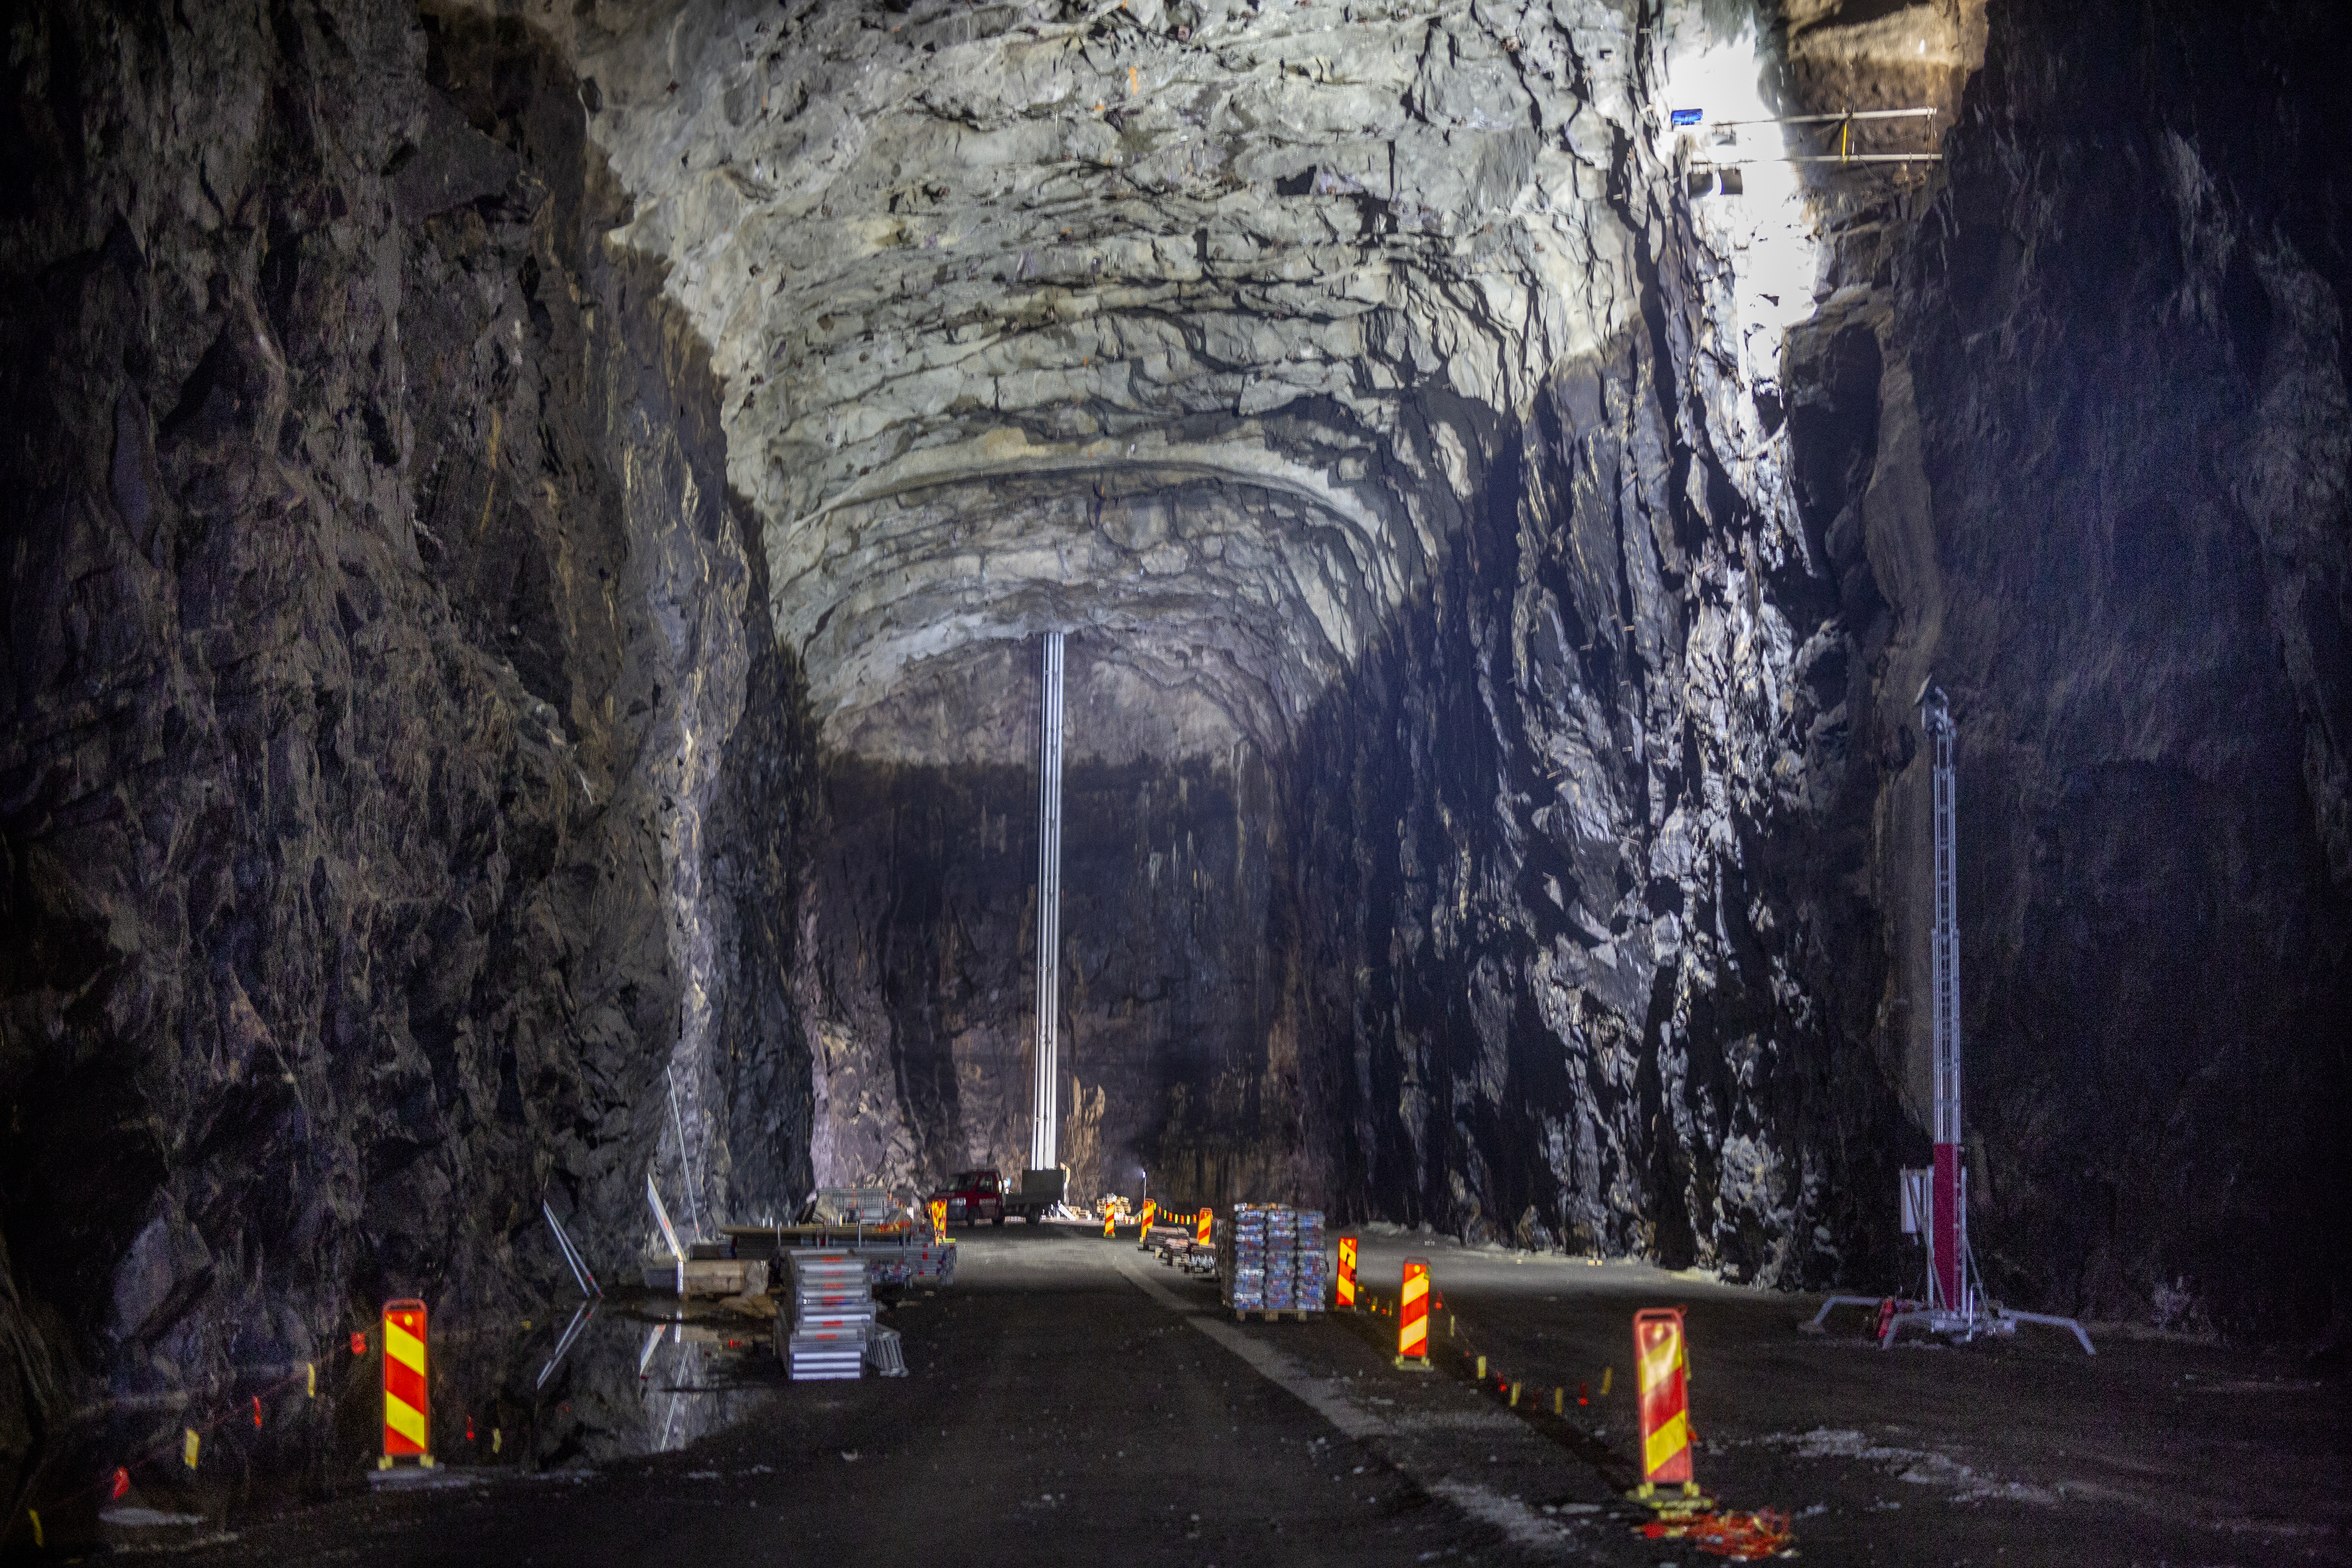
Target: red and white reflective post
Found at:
x=408, y=1407
x=1413, y=1317
x=1664, y=1393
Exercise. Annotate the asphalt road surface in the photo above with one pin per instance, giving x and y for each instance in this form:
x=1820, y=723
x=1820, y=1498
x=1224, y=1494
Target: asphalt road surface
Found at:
x=1071, y=1401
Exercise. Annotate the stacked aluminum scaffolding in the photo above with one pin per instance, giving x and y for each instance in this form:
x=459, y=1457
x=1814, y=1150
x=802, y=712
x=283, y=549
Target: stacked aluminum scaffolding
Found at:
x=832, y=1316
x=1044, y=1140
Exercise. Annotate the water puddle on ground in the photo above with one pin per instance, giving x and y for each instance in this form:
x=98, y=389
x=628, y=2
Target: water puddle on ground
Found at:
x=646, y=1376
x=602, y=1380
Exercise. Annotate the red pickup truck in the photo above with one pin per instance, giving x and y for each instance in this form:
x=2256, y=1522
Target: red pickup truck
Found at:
x=975, y=1195
x=972, y=1196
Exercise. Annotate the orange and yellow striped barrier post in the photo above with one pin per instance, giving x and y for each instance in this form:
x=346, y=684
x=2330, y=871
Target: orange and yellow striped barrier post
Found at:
x=1665, y=1372
x=1201, y=1225
x=1110, y=1219
x=939, y=1219
x=1345, y=1290
x=407, y=1410
x=1413, y=1318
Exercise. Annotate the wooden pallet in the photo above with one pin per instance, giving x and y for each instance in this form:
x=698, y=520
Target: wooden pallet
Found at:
x=1243, y=1314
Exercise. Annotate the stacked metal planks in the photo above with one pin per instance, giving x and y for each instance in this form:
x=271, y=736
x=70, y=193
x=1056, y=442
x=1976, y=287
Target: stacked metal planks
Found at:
x=824, y=1335
x=900, y=1253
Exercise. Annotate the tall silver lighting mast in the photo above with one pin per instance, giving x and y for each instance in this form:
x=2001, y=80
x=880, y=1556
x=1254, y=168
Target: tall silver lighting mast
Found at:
x=1044, y=1138
x=1948, y=1285
x=1935, y=1200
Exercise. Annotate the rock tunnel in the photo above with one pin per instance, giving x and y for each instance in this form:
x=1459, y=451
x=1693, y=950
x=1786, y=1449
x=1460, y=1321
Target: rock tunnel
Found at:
x=530, y=527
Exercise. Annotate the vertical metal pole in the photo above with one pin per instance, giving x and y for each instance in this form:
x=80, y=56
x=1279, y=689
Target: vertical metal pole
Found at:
x=1948, y=1234
x=685, y=1166
x=1045, y=1141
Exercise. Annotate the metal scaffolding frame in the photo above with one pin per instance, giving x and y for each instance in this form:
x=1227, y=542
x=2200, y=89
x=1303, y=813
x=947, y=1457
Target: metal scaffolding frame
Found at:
x=1044, y=1138
x=1845, y=153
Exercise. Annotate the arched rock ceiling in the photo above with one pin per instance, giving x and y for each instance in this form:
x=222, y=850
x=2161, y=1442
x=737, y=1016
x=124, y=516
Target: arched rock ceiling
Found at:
x=1175, y=327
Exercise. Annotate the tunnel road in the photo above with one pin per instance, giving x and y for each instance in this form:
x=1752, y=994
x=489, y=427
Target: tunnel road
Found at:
x=1072, y=1401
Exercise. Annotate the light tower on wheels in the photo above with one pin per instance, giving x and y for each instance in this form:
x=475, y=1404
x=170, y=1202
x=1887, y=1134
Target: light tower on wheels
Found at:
x=1935, y=1200
x=1950, y=1286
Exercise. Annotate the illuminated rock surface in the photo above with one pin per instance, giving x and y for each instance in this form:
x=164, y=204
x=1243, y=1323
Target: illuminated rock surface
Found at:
x=530, y=538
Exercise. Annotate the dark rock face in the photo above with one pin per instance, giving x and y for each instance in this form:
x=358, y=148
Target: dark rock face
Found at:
x=1555, y=946
x=2125, y=324
x=1619, y=918
x=406, y=802
x=1176, y=1050
x=378, y=818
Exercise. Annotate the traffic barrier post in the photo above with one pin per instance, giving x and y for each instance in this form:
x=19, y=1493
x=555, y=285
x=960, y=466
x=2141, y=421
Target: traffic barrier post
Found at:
x=939, y=1219
x=1413, y=1318
x=407, y=1408
x=1346, y=1289
x=1201, y=1229
x=1664, y=1370
x=1110, y=1220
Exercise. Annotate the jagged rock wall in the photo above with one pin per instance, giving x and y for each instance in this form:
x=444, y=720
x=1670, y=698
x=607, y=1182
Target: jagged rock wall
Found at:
x=378, y=817
x=1520, y=563
x=2064, y=431
x=1393, y=394
x=2121, y=332
x=1177, y=1054
x=1570, y=922
x=1552, y=841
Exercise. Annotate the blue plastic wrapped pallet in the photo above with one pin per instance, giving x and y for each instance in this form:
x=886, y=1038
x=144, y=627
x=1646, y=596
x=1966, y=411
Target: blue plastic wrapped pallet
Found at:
x=1270, y=1260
